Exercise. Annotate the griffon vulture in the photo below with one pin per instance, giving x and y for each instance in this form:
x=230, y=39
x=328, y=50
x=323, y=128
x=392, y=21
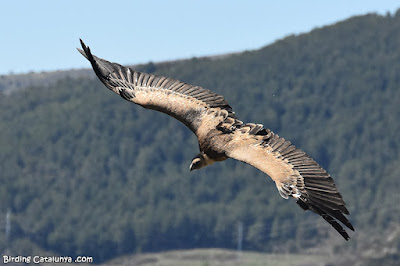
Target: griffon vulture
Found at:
x=222, y=135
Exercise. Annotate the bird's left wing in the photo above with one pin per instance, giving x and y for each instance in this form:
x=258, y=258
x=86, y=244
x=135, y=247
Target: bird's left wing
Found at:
x=295, y=173
x=188, y=103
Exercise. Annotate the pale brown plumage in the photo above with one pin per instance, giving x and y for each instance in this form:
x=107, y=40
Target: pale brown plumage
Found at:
x=221, y=135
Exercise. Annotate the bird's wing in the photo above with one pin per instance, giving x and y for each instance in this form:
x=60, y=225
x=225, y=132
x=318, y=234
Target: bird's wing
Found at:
x=187, y=103
x=295, y=173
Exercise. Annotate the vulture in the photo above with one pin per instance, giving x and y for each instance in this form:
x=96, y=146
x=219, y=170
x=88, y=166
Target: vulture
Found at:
x=221, y=135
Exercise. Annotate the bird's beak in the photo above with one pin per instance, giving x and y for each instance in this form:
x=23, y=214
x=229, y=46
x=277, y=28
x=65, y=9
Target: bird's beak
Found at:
x=190, y=167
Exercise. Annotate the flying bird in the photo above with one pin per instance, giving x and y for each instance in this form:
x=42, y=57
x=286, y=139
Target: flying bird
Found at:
x=221, y=135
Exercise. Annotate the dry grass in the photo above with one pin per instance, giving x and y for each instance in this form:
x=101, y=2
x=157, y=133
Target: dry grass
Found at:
x=217, y=257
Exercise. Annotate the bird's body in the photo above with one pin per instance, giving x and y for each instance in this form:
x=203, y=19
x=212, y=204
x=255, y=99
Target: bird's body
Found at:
x=222, y=135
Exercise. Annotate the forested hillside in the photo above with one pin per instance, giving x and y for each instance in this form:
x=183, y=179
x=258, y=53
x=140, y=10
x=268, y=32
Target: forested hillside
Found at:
x=84, y=172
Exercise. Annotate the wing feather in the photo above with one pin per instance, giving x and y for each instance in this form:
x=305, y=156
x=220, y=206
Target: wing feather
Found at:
x=295, y=173
x=160, y=81
x=187, y=103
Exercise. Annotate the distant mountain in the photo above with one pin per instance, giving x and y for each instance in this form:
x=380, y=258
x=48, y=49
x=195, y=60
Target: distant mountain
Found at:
x=8, y=83
x=84, y=172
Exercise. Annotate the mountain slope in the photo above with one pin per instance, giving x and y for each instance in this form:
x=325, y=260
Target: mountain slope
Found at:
x=85, y=172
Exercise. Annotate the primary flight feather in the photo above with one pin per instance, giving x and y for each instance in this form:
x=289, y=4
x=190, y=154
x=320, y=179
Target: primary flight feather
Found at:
x=222, y=135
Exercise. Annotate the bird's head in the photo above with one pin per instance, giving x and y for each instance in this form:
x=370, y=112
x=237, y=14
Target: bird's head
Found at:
x=200, y=161
x=197, y=162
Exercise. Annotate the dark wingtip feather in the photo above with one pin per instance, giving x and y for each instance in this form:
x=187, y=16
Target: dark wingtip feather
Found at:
x=85, y=51
x=82, y=52
x=338, y=215
x=84, y=48
x=331, y=221
x=328, y=214
x=97, y=64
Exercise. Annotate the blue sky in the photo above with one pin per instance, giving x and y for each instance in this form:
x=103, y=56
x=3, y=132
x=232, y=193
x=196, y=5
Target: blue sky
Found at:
x=42, y=35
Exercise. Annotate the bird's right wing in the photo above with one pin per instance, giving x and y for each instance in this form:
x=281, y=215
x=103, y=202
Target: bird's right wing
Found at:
x=187, y=103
